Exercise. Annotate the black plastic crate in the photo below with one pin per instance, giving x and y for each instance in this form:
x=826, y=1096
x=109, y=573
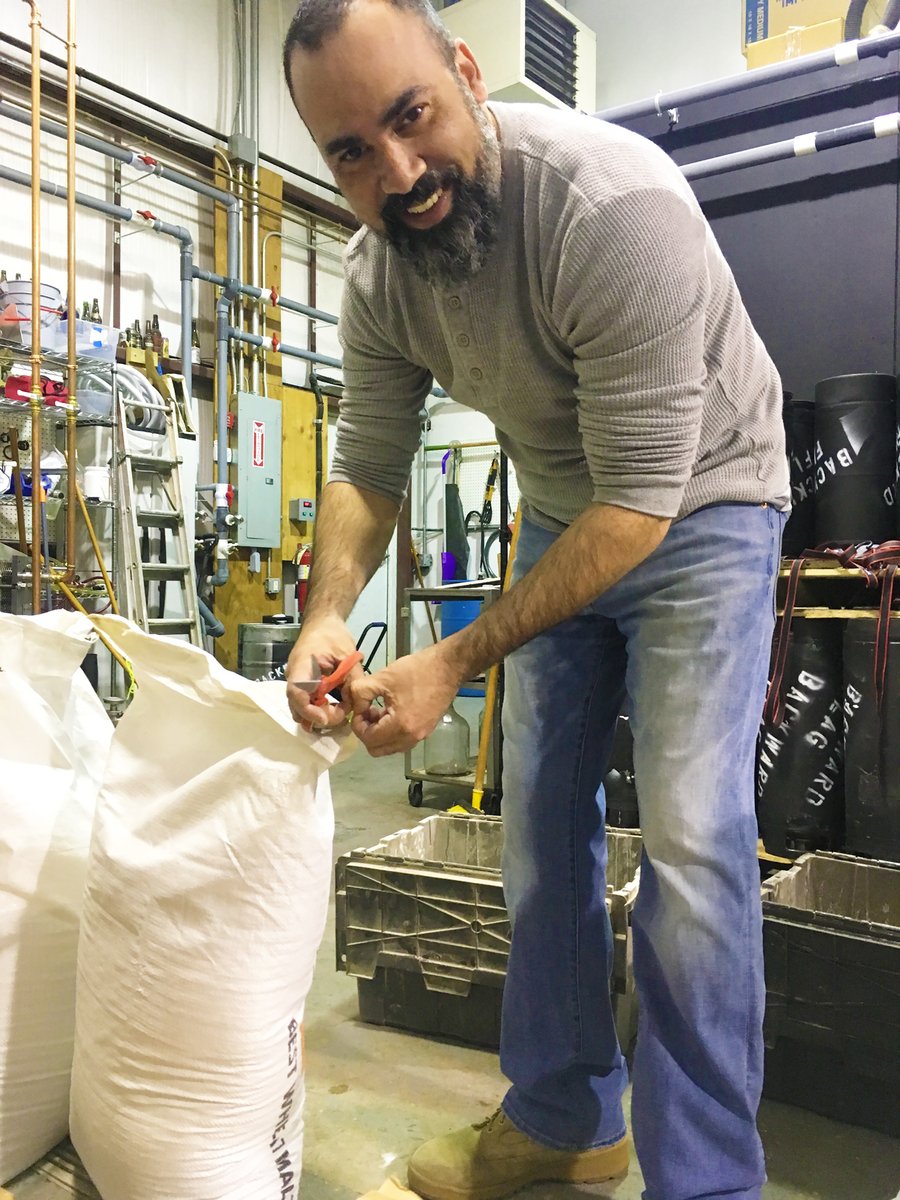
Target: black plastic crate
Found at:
x=831, y=931
x=422, y=924
x=401, y=999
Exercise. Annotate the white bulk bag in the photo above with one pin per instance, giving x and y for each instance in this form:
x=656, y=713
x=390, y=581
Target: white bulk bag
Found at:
x=54, y=738
x=206, y=899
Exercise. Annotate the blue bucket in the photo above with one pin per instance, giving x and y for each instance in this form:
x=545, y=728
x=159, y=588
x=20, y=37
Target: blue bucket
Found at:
x=456, y=615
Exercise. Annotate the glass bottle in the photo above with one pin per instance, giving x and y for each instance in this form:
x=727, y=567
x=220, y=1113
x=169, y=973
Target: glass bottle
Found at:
x=156, y=334
x=95, y=312
x=3, y=279
x=148, y=337
x=447, y=748
x=195, y=344
x=137, y=338
x=85, y=311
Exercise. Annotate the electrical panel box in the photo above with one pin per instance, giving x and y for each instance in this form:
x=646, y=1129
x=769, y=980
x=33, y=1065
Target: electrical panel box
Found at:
x=258, y=471
x=302, y=509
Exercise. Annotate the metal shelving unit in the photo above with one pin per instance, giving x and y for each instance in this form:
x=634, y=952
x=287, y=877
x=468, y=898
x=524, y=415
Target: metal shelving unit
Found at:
x=95, y=446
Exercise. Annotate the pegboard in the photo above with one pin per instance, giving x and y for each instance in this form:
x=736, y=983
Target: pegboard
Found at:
x=15, y=423
x=473, y=473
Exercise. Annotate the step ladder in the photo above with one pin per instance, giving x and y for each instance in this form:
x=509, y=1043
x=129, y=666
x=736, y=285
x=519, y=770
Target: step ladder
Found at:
x=160, y=588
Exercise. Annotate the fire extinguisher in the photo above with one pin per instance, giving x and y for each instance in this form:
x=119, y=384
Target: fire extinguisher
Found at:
x=303, y=561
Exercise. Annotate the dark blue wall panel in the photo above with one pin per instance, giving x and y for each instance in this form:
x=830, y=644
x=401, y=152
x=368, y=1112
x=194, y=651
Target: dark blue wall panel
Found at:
x=813, y=242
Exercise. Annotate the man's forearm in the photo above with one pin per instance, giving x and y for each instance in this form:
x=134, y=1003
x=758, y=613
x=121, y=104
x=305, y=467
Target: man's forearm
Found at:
x=596, y=551
x=353, y=530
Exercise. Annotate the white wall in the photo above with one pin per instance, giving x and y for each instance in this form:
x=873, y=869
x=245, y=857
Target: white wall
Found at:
x=657, y=46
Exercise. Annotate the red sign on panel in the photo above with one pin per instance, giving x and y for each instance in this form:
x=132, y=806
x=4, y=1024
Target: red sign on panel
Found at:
x=259, y=443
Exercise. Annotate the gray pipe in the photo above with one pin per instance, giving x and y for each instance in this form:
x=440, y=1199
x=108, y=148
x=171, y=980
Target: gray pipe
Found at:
x=798, y=147
x=130, y=157
x=253, y=339
x=57, y=189
x=187, y=299
x=847, y=54
x=213, y=626
x=116, y=211
x=247, y=289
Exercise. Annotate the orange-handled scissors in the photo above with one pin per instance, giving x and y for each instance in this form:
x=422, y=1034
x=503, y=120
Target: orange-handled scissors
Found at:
x=320, y=685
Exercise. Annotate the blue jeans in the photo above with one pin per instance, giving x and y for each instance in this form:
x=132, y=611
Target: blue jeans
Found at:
x=686, y=635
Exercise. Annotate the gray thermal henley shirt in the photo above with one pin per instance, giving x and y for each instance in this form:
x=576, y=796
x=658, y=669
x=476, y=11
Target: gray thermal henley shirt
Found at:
x=605, y=338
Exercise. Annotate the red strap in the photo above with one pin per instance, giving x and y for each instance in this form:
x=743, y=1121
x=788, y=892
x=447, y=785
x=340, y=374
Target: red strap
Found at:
x=845, y=556
x=773, y=713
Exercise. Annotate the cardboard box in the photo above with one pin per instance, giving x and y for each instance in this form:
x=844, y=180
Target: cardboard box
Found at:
x=764, y=19
x=794, y=44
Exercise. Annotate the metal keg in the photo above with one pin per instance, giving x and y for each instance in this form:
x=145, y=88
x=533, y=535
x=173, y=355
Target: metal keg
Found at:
x=264, y=646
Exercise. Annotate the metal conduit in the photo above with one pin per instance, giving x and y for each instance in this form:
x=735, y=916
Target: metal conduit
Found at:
x=797, y=147
x=247, y=289
x=276, y=347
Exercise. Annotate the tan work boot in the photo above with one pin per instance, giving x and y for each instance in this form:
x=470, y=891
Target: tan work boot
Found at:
x=495, y=1159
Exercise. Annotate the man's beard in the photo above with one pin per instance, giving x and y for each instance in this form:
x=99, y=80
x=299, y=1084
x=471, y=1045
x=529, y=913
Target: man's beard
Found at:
x=456, y=249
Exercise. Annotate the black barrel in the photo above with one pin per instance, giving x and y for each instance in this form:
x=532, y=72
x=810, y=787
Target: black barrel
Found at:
x=856, y=460
x=873, y=744
x=800, y=436
x=799, y=764
x=621, y=793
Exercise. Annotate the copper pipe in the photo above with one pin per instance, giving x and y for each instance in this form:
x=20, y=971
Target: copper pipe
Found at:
x=98, y=553
x=72, y=369
x=36, y=398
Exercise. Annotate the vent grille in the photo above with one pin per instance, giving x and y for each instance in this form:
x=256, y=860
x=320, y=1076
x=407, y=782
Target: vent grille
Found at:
x=550, y=51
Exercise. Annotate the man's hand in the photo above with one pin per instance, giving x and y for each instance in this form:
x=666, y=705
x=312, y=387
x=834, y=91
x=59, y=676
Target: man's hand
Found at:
x=326, y=641
x=416, y=691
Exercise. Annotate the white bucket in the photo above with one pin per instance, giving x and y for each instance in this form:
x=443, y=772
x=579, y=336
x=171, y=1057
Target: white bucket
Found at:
x=19, y=293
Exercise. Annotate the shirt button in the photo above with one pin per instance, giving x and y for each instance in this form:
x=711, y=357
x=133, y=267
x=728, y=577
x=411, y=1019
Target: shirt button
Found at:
x=463, y=340
x=477, y=374
x=454, y=302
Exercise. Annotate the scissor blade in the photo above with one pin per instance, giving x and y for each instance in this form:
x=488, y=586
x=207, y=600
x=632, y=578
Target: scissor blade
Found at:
x=310, y=684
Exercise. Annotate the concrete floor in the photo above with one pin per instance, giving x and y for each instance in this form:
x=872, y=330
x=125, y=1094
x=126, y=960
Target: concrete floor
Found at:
x=374, y=1094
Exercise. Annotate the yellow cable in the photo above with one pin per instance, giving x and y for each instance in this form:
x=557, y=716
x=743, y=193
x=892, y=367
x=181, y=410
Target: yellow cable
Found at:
x=76, y=603
x=492, y=684
x=98, y=554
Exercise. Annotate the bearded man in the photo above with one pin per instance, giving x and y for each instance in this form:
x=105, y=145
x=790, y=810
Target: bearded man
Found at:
x=556, y=273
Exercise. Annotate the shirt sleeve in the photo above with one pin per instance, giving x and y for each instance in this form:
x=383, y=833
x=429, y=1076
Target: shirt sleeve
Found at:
x=380, y=422
x=631, y=302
